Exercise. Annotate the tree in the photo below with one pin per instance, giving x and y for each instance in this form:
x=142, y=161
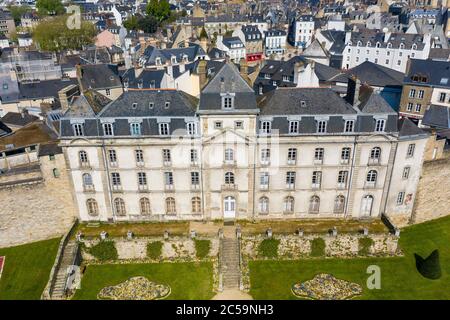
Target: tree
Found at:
x=17, y=12
x=148, y=24
x=203, y=34
x=50, y=7
x=131, y=23
x=54, y=35
x=160, y=9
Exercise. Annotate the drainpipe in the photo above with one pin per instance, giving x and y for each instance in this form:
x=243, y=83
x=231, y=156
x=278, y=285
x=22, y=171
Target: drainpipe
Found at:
x=255, y=144
x=350, y=178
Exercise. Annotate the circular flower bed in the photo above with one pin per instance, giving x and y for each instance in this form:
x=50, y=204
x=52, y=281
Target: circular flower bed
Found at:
x=326, y=287
x=136, y=288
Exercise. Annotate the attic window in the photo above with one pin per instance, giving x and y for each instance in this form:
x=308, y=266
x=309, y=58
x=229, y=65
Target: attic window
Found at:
x=134, y=105
x=303, y=103
x=111, y=78
x=167, y=105
x=444, y=80
x=151, y=105
x=173, y=59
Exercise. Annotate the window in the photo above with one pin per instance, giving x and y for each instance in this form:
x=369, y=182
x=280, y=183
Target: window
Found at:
x=418, y=107
x=264, y=180
x=196, y=205
x=87, y=180
x=442, y=97
x=84, y=161
x=410, y=106
x=56, y=173
x=263, y=205
x=318, y=155
x=342, y=179
x=112, y=155
x=375, y=155
x=108, y=129
x=265, y=156
x=142, y=180
x=191, y=128
x=164, y=129
x=290, y=179
x=168, y=180
x=108, y=92
x=151, y=105
x=218, y=124
x=166, y=157
x=92, y=207
x=316, y=179
x=420, y=95
x=345, y=155
x=119, y=207
x=292, y=155
x=400, y=198
x=194, y=156
x=371, y=178
x=229, y=155
x=314, y=204
x=115, y=180
x=412, y=93
x=170, y=206
x=195, y=178
x=135, y=129
x=229, y=178
x=238, y=125
x=321, y=126
x=293, y=127
x=405, y=174
x=288, y=204
x=78, y=129
x=144, y=204
x=387, y=60
x=139, y=155
x=227, y=102
x=379, y=125
x=410, y=151
x=339, y=204
x=349, y=125
x=266, y=127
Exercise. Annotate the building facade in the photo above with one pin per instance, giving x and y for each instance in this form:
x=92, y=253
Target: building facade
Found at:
x=297, y=153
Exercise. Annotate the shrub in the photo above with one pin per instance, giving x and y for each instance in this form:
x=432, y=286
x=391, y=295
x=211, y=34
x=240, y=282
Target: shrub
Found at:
x=269, y=248
x=364, y=245
x=104, y=250
x=154, y=249
x=202, y=248
x=317, y=247
x=429, y=267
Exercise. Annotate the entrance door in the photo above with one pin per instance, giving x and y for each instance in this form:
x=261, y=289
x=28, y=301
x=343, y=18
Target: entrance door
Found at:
x=229, y=205
x=366, y=206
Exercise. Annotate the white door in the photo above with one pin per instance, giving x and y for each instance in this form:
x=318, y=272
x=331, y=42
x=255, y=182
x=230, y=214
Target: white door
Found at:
x=229, y=206
x=366, y=206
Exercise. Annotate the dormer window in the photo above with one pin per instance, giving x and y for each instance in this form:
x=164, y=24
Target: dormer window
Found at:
x=293, y=127
x=151, y=105
x=402, y=46
x=349, y=125
x=414, y=46
x=191, y=128
x=389, y=45
x=266, y=127
x=173, y=59
x=108, y=129
x=227, y=101
x=167, y=105
x=135, y=129
x=78, y=129
x=134, y=105
x=303, y=103
x=380, y=125
x=321, y=126
x=158, y=61
x=164, y=129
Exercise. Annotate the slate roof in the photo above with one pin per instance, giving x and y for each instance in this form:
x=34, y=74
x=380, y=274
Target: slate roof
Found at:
x=227, y=80
x=376, y=75
x=33, y=133
x=407, y=128
x=18, y=119
x=371, y=102
x=43, y=89
x=147, y=78
x=4, y=129
x=229, y=41
x=251, y=33
x=191, y=52
x=337, y=38
x=46, y=149
x=395, y=39
x=437, y=117
x=99, y=76
x=437, y=73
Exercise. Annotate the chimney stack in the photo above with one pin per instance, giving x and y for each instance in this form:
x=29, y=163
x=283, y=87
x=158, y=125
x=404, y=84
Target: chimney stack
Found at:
x=66, y=94
x=243, y=68
x=201, y=70
x=353, y=88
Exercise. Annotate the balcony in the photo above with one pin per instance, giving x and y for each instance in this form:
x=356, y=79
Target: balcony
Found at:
x=370, y=185
x=263, y=187
x=140, y=164
x=113, y=164
x=229, y=187
x=167, y=163
x=142, y=188
x=88, y=188
x=373, y=161
x=318, y=161
x=291, y=162
x=290, y=186
x=169, y=187
x=195, y=187
x=341, y=186
x=85, y=165
x=117, y=188
x=265, y=162
x=315, y=186
x=194, y=163
x=345, y=161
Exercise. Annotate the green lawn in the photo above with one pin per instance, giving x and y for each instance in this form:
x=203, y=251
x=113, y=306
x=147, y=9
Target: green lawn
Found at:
x=399, y=277
x=27, y=269
x=186, y=280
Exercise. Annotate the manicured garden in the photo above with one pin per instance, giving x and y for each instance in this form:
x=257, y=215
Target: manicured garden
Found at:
x=271, y=279
x=188, y=280
x=27, y=269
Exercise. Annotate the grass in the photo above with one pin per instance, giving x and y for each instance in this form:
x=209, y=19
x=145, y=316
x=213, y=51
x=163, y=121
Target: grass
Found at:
x=310, y=226
x=154, y=249
x=144, y=229
x=399, y=276
x=186, y=280
x=364, y=245
x=104, y=250
x=268, y=248
x=317, y=247
x=202, y=248
x=27, y=269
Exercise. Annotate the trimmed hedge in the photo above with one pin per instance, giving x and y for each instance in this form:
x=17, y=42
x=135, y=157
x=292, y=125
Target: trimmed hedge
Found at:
x=317, y=247
x=202, y=248
x=154, y=249
x=429, y=267
x=269, y=248
x=105, y=250
x=364, y=245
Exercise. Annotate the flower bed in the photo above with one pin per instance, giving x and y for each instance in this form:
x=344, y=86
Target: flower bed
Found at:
x=136, y=288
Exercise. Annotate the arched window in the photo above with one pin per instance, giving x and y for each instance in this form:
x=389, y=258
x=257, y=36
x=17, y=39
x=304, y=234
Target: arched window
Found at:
x=144, y=204
x=119, y=206
x=196, y=205
x=92, y=207
x=87, y=180
x=288, y=204
x=229, y=154
x=375, y=155
x=229, y=178
x=314, y=204
x=402, y=46
x=84, y=161
x=170, y=206
x=339, y=204
x=372, y=176
x=263, y=205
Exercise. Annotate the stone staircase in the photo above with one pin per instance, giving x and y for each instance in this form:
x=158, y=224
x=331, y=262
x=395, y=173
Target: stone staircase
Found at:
x=58, y=291
x=229, y=263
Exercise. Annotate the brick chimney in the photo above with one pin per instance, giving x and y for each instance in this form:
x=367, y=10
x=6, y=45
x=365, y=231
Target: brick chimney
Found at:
x=201, y=70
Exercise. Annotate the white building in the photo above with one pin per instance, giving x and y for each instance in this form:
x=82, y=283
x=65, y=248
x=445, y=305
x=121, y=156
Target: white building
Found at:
x=233, y=47
x=274, y=42
x=302, y=31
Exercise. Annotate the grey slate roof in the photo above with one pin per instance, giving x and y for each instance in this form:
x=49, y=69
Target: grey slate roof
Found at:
x=191, y=52
x=18, y=119
x=99, y=76
x=371, y=102
x=395, y=39
x=376, y=75
x=437, y=117
x=43, y=89
x=407, y=128
x=437, y=73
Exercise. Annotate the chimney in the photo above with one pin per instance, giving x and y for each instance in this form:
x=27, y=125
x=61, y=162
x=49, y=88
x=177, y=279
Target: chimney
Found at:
x=65, y=94
x=243, y=68
x=353, y=87
x=23, y=112
x=201, y=70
